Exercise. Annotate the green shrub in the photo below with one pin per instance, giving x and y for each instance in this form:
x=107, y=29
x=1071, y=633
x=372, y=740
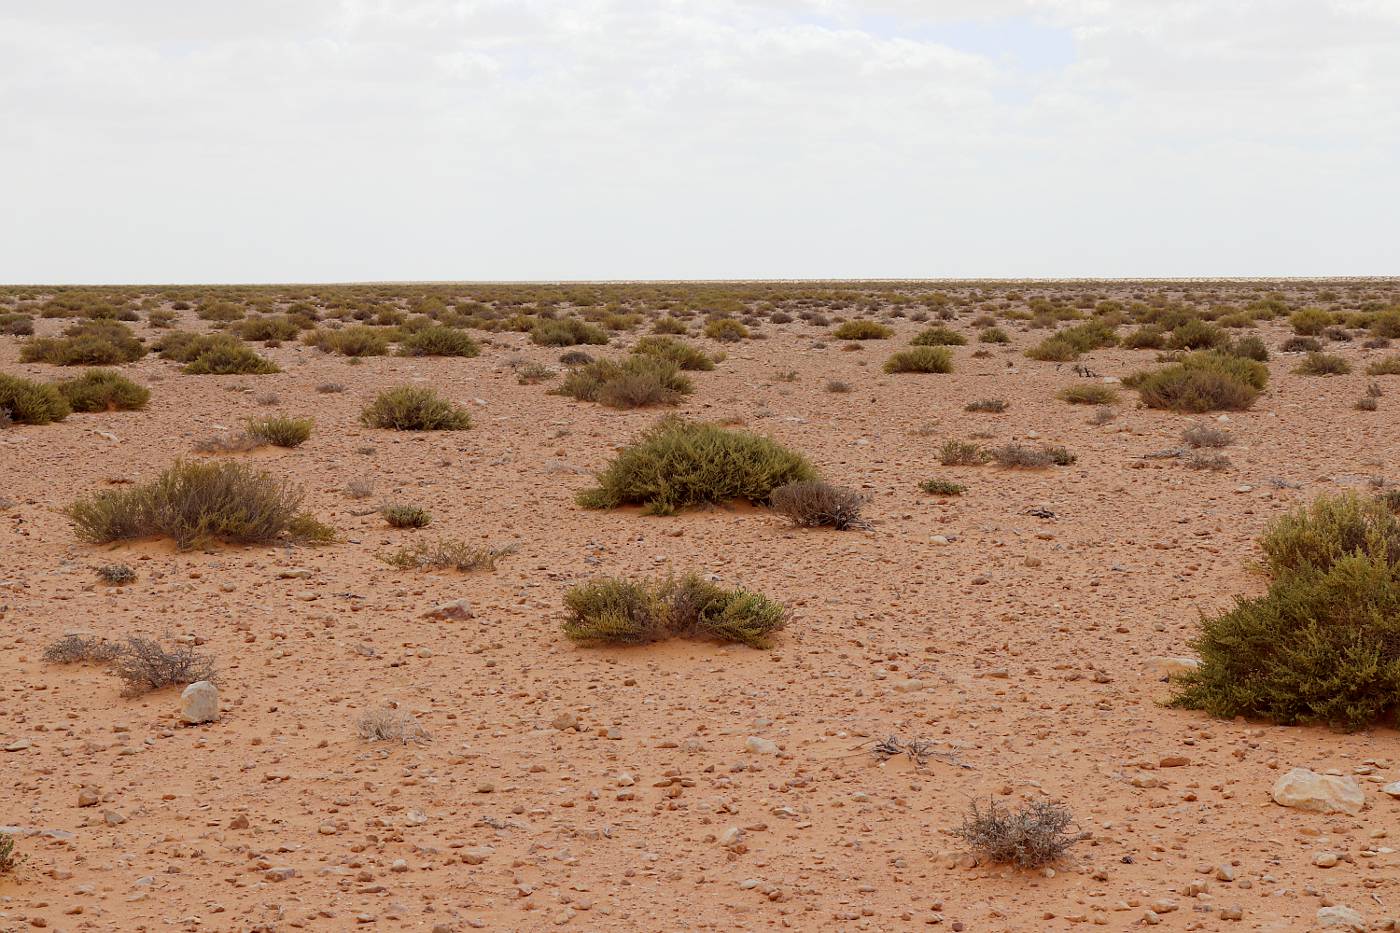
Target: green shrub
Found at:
x=87, y=343
x=1149, y=337
x=920, y=360
x=962, y=453
x=1053, y=350
x=939, y=337
x=1321, y=646
x=682, y=463
x=679, y=352
x=993, y=335
x=566, y=332
x=1196, y=334
x=16, y=325
x=406, y=516
x=1251, y=347
x=862, y=330
x=24, y=401
x=357, y=340
x=414, y=408
x=1331, y=528
x=439, y=341
x=1323, y=364
x=1088, y=394
x=9, y=861
x=1390, y=366
x=725, y=329
x=280, y=431
x=267, y=327
x=220, y=312
x=623, y=612
x=230, y=360
x=942, y=487
x=1202, y=382
x=184, y=346
x=634, y=382
x=103, y=390
x=670, y=325
x=1309, y=322
x=1067, y=344
x=198, y=503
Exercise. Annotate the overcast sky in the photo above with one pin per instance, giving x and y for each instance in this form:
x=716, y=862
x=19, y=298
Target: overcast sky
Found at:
x=340, y=140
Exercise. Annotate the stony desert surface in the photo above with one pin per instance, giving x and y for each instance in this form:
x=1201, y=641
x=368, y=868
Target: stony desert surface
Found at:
x=686, y=785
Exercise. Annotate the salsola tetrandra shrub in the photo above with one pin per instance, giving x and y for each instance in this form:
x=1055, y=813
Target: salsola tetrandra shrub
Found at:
x=684, y=355
x=634, y=382
x=862, y=330
x=1088, y=393
x=1031, y=837
x=414, y=408
x=280, y=430
x=626, y=612
x=448, y=554
x=439, y=341
x=200, y=503
x=680, y=463
x=103, y=390
x=87, y=343
x=1201, y=382
x=567, y=332
x=230, y=360
x=815, y=504
x=1323, y=644
x=24, y=401
x=920, y=360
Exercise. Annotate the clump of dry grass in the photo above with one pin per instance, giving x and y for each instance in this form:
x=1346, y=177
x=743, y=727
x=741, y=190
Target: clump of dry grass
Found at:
x=1032, y=458
x=813, y=504
x=994, y=406
x=447, y=554
x=146, y=665
x=1031, y=837
x=1206, y=435
x=390, y=725
x=77, y=649
x=414, y=408
x=280, y=430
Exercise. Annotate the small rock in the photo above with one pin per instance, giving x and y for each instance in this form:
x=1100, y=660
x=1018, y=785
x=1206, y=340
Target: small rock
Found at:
x=199, y=703
x=1340, y=918
x=477, y=854
x=1392, y=789
x=760, y=746
x=1325, y=859
x=1302, y=789
x=279, y=874
x=459, y=610
x=1166, y=667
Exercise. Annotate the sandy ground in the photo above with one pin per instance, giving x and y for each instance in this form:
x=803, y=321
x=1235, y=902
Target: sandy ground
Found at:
x=1019, y=647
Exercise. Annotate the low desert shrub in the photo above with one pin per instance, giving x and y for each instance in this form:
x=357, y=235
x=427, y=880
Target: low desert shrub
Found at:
x=575, y=358
x=16, y=325
x=920, y=360
x=1309, y=322
x=938, y=336
x=634, y=382
x=670, y=325
x=439, y=341
x=145, y=665
x=1323, y=364
x=390, y=725
x=1032, y=458
x=1301, y=345
x=684, y=355
x=814, y=504
x=1196, y=334
x=1330, y=528
x=9, y=859
x=1202, y=382
x=1149, y=337
x=198, y=503
x=862, y=330
x=993, y=335
x=414, y=408
x=87, y=343
x=81, y=649
x=230, y=360
x=993, y=406
x=1088, y=394
x=103, y=390
x=1200, y=460
x=356, y=340
x=680, y=463
x=447, y=554
x=1032, y=837
x=1390, y=366
x=838, y=387
x=280, y=430
x=566, y=332
x=1206, y=435
x=529, y=374
x=116, y=574
x=24, y=401
x=1250, y=347
x=726, y=330
x=267, y=327
x=942, y=487
x=962, y=453
x=1066, y=345
x=625, y=612
x=406, y=516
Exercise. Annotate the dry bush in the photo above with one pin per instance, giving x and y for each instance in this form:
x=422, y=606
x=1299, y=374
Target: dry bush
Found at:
x=939, y=337
x=625, y=612
x=993, y=335
x=390, y=725
x=1033, y=458
x=116, y=574
x=1323, y=364
x=635, y=382
x=281, y=431
x=1200, y=460
x=447, y=554
x=355, y=341
x=726, y=330
x=197, y=503
x=1202, y=382
x=230, y=360
x=1031, y=837
x=103, y=390
x=145, y=665
x=529, y=374
x=362, y=487
x=681, y=463
x=414, y=408
x=1390, y=366
x=862, y=330
x=24, y=401
x=920, y=360
x=1103, y=414
x=406, y=516
x=813, y=504
x=993, y=406
x=239, y=443
x=1088, y=394
x=838, y=387
x=679, y=352
x=81, y=649
x=1206, y=435
x=567, y=332
x=439, y=341
x=962, y=453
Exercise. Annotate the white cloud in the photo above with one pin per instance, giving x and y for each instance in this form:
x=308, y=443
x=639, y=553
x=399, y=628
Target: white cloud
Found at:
x=370, y=139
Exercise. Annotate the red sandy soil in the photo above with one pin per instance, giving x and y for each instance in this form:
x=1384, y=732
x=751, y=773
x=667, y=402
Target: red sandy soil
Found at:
x=1019, y=648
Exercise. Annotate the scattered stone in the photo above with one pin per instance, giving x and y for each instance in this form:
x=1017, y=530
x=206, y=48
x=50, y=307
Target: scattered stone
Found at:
x=477, y=854
x=760, y=746
x=459, y=610
x=1340, y=918
x=199, y=703
x=1302, y=789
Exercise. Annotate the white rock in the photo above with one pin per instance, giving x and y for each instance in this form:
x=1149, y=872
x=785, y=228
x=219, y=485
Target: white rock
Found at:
x=459, y=610
x=760, y=746
x=1392, y=789
x=1340, y=918
x=1166, y=667
x=199, y=703
x=1302, y=789
x=731, y=836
